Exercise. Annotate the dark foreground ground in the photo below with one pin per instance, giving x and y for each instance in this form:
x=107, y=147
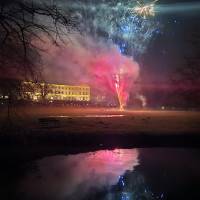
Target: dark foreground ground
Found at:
x=91, y=129
x=24, y=139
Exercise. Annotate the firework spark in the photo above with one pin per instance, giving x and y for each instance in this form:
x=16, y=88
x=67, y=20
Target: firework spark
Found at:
x=117, y=87
x=144, y=10
x=116, y=23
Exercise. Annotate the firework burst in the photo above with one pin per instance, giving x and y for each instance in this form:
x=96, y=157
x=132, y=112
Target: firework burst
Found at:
x=125, y=33
x=144, y=9
x=117, y=22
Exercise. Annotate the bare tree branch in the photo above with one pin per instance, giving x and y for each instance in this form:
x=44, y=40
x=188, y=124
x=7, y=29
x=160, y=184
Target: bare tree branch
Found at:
x=21, y=22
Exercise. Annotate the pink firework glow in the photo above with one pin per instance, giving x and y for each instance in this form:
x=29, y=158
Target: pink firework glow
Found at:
x=117, y=72
x=100, y=65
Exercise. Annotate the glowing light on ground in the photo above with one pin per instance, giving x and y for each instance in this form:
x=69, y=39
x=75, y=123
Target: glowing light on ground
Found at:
x=88, y=116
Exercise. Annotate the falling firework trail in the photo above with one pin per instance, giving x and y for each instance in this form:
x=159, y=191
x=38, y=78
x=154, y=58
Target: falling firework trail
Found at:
x=117, y=86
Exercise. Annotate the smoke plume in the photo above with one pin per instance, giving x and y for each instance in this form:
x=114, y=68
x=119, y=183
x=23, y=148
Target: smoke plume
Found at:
x=83, y=60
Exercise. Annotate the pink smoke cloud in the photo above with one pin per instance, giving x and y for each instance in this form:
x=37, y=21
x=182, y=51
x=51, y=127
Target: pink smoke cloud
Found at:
x=96, y=63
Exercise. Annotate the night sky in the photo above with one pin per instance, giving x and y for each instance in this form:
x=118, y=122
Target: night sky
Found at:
x=110, y=34
x=167, y=46
x=168, y=50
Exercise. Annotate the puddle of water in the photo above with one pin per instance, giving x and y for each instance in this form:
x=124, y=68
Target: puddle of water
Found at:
x=121, y=174
x=76, y=176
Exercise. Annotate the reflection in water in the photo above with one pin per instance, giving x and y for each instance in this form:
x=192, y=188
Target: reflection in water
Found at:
x=78, y=176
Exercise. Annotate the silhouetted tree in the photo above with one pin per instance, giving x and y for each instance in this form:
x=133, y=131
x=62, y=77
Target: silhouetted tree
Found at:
x=10, y=91
x=44, y=90
x=187, y=77
x=22, y=22
x=31, y=89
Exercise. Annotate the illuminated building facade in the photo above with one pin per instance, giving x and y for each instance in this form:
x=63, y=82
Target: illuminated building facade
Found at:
x=56, y=92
